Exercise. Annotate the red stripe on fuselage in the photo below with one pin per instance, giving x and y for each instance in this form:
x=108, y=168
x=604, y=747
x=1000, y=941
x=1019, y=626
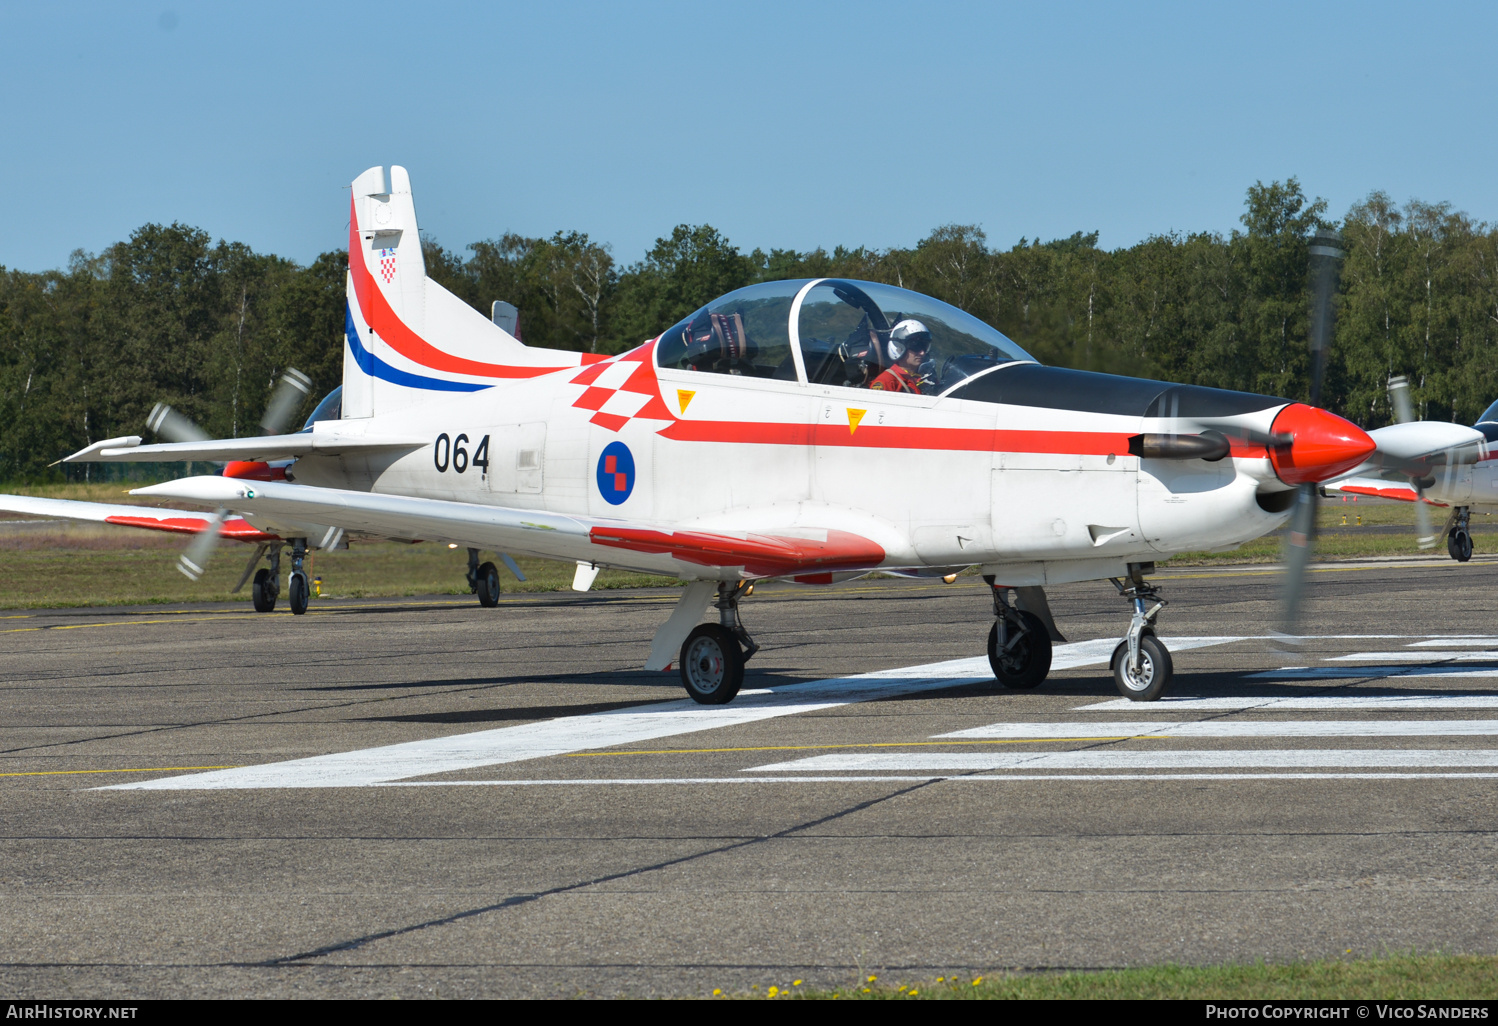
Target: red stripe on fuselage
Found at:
x=867, y=436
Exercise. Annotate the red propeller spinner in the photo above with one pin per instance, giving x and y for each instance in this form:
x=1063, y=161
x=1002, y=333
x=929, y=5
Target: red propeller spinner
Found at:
x=1322, y=445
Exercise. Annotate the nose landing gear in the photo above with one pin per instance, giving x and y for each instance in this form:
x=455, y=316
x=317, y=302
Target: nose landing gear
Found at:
x=1142, y=667
x=298, y=590
x=1459, y=538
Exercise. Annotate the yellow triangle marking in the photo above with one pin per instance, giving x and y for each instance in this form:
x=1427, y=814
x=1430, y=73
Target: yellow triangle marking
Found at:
x=684, y=396
x=854, y=416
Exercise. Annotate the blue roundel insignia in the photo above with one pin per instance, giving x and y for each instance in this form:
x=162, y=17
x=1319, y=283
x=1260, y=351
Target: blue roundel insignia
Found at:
x=616, y=473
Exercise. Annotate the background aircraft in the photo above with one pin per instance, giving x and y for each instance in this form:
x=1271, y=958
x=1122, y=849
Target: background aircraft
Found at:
x=1432, y=463
x=743, y=443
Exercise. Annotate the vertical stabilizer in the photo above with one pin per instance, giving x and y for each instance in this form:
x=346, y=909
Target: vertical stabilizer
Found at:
x=406, y=338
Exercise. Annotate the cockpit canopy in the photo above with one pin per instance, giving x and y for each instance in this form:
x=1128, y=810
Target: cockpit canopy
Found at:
x=831, y=331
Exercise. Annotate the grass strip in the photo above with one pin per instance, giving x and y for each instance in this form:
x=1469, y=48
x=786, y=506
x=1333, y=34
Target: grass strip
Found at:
x=1393, y=978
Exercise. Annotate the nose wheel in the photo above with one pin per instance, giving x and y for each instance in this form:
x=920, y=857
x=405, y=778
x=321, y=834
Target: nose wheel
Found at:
x=1459, y=540
x=1142, y=667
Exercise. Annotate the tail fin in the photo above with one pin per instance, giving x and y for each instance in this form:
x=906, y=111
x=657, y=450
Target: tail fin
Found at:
x=406, y=338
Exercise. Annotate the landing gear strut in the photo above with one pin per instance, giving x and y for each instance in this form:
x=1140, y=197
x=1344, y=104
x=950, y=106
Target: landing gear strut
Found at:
x=1019, y=645
x=713, y=656
x=1459, y=537
x=1142, y=668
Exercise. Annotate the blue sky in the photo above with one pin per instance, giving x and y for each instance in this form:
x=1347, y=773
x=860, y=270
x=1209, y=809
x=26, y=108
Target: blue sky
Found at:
x=787, y=125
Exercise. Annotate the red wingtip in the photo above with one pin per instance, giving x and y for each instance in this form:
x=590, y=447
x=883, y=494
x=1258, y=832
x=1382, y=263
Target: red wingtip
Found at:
x=1324, y=445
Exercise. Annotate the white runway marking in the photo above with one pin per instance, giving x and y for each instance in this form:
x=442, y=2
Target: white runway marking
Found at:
x=1272, y=703
x=624, y=726
x=1290, y=673
x=1409, y=656
x=1292, y=758
x=1234, y=728
x=888, y=778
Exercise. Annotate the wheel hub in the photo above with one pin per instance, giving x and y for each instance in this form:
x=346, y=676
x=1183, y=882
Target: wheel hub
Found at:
x=705, y=664
x=1141, y=679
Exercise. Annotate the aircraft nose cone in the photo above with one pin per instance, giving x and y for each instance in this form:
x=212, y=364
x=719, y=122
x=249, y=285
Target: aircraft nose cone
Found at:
x=1323, y=446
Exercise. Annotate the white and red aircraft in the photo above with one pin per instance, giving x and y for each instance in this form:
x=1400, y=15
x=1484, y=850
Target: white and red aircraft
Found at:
x=745, y=443
x=1432, y=463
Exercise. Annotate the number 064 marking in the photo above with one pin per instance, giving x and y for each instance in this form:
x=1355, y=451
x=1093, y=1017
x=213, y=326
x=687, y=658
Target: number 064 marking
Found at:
x=452, y=452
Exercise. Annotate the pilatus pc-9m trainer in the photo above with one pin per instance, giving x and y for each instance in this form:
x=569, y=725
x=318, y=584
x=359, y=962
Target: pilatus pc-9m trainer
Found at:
x=810, y=430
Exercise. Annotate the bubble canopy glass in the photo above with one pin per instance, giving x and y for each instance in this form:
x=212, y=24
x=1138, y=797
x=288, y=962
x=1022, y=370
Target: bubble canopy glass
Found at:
x=830, y=331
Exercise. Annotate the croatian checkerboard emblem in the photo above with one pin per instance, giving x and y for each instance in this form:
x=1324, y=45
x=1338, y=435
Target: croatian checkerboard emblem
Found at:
x=616, y=473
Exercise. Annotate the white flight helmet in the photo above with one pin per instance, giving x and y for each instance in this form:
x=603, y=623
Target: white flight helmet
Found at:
x=908, y=334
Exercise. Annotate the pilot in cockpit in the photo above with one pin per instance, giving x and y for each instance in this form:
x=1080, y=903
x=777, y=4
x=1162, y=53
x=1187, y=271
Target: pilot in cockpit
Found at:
x=909, y=342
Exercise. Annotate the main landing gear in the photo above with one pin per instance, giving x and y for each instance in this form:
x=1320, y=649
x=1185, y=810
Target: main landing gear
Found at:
x=1019, y=644
x=1142, y=668
x=483, y=581
x=1459, y=534
x=713, y=656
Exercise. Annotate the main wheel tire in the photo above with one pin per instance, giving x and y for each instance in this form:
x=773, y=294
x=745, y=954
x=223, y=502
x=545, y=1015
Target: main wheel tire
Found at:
x=1027, y=661
x=299, y=593
x=488, y=585
x=1451, y=546
x=1155, y=670
x=1463, y=546
x=712, y=665
x=263, y=591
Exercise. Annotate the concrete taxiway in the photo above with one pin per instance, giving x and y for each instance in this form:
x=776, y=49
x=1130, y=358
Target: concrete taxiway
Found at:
x=424, y=797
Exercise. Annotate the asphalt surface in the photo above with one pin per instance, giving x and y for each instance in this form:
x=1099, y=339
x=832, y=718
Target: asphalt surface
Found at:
x=555, y=846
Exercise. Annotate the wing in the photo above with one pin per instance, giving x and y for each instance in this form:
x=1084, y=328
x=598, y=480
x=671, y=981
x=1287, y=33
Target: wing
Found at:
x=331, y=440
x=178, y=521
x=786, y=546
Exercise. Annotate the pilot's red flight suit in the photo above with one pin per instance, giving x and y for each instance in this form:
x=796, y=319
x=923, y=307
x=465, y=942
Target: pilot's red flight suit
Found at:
x=896, y=379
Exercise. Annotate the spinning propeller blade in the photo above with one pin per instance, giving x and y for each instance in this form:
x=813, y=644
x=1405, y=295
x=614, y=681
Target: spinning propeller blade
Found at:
x=200, y=550
x=174, y=427
x=1404, y=413
x=289, y=394
x=1326, y=256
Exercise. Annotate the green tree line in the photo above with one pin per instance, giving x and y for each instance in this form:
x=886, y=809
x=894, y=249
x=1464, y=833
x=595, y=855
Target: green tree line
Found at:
x=170, y=316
